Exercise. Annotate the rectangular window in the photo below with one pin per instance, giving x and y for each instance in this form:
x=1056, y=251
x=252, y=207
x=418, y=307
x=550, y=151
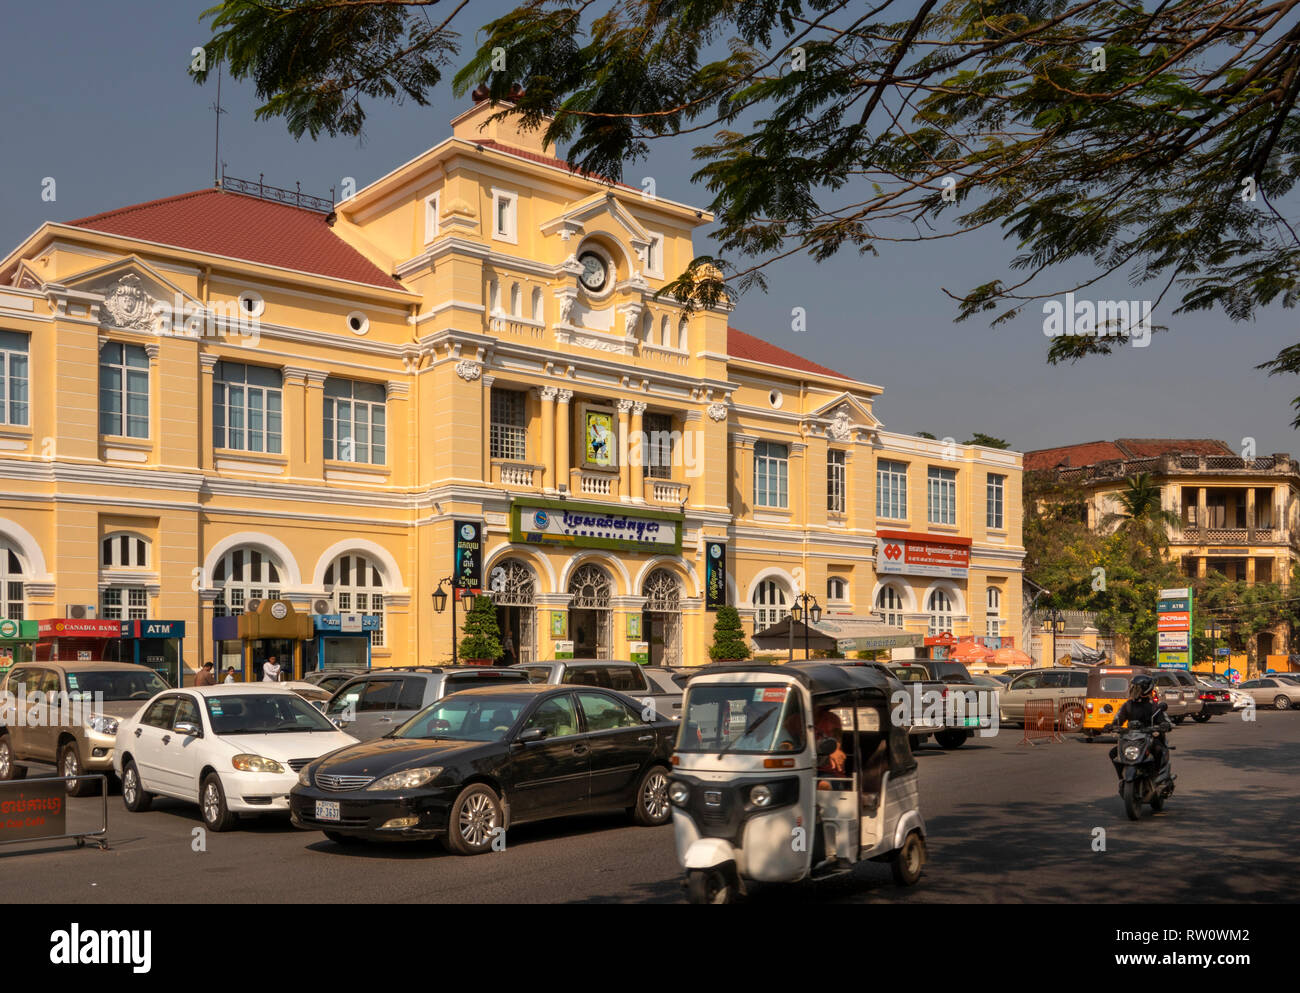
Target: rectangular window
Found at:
x=657, y=450
x=14, y=401
x=123, y=390
x=124, y=603
x=891, y=490
x=246, y=408
x=504, y=216
x=654, y=256
x=995, y=500
x=508, y=434
x=771, y=474
x=355, y=427
x=835, y=481
x=430, y=218
x=942, y=496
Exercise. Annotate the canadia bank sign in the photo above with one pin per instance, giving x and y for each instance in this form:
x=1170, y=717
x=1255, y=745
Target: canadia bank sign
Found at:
x=904, y=553
x=594, y=526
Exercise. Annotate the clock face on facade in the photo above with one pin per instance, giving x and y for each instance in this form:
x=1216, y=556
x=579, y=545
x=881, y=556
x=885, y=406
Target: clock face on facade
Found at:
x=593, y=271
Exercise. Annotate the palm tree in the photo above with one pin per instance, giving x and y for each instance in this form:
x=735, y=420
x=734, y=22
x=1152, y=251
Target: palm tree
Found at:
x=1140, y=510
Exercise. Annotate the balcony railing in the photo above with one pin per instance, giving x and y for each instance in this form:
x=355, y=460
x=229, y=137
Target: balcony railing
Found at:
x=1231, y=536
x=666, y=492
x=597, y=484
x=517, y=475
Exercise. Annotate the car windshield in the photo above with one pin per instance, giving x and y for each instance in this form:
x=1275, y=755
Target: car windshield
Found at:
x=264, y=713
x=114, y=685
x=465, y=717
x=746, y=718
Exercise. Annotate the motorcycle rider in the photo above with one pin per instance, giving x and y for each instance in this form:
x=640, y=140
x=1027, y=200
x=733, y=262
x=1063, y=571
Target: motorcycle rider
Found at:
x=1141, y=708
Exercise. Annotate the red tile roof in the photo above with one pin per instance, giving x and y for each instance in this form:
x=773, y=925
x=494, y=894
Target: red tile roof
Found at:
x=1092, y=452
x=243, y=227
x=745, y=346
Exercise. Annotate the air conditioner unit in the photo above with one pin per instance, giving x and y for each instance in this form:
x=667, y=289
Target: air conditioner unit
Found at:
x=251, y=606
x=80, y=611
x=323, y=605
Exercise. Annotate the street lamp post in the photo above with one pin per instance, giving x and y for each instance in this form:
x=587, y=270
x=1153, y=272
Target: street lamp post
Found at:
x=1215, y=632
x=440, y=604
x=1054, y=622
x=805, y=602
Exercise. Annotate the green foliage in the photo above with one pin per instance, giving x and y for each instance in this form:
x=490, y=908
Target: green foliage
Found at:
x=482, y=636
x=987, y=440
x=729, y=641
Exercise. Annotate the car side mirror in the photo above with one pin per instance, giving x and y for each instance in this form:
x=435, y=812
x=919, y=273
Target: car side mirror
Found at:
x=188, y=729
x=827, y=746
x=530, y=734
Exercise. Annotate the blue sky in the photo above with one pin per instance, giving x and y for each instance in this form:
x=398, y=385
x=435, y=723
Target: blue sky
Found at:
x=98, y=98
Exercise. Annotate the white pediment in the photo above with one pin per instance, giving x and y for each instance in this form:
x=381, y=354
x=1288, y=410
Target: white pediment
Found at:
x=576, y=219
x=135, y=296
x=845, y=415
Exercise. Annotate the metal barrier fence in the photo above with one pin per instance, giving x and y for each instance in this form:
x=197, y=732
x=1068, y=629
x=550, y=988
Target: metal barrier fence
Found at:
x=30, y=809
x=1040, y=721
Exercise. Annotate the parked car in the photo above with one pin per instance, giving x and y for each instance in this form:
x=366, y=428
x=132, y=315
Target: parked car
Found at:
x=1055, y=684
x=1272, y=692
x=946, y=677
x=474, y=764
x=382, y=700
x=332, y=679
x=1176, y=688
x=77, y=736
x=317, y=696
x=1215, y=697
x=665, y=695
x=1290, y=677
x=232, y=749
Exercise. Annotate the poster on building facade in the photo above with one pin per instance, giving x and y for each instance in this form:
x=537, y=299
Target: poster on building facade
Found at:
x=468, y=552
x=599, y=438
x=715, y=575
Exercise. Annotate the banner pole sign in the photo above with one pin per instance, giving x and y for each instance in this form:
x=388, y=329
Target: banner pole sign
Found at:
x=468, y=550
x=1174, y=627
x=715, y=575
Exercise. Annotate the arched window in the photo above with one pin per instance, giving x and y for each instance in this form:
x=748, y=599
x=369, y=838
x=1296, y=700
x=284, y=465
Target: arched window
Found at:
x=244, y=574
x=512, y=584
x=662, y=592
x=993, y=613
x=591, y=588
x=124, y=550
x=837, y=588
x=889, y=604
x=358, y=588
x=647, y=326
x=494, y=297
x=770, y=601
x=537, y=304
x=11, y=583
x=940, y=607
x=666, y=332
x=682, y=338
x=516, y=301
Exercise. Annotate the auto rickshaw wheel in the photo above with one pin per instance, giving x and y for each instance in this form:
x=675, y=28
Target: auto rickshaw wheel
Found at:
x=1132, y=803
x=715, y=885
x=908, y=861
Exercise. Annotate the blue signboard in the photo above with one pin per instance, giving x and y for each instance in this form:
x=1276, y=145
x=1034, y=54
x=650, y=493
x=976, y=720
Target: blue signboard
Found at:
x=347, y=623
x=1172, y=606
x=157, y=629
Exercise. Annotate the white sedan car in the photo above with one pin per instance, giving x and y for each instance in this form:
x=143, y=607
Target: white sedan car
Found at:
x=232, y=749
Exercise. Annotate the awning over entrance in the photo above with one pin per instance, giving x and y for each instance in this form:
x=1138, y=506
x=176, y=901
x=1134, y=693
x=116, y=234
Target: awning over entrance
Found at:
x=842, y=632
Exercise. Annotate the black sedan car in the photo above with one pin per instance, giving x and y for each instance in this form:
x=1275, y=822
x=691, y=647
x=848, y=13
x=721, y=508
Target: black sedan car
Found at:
x=468, y=767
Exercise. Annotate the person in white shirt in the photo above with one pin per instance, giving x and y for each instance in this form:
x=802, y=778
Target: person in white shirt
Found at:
x=271, y=671
x=230, y=676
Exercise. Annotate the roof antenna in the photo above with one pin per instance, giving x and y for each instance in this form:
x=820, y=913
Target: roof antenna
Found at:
x=216, y=151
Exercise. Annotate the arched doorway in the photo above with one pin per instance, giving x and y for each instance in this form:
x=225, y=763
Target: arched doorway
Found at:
x=591, y=619
x=514, y=591
x=12, y=576
x=661, y=618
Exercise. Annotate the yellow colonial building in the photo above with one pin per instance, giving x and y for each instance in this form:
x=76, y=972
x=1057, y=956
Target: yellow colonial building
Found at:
x=218, y=398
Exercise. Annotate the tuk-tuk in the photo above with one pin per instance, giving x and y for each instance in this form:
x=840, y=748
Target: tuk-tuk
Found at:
x=789, y=772
x=1107, y=690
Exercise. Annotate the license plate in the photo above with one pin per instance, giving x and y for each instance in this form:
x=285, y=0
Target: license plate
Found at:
x=327, y=810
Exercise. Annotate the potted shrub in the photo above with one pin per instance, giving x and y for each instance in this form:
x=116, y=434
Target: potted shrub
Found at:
x=482, y=642
x=729, y=644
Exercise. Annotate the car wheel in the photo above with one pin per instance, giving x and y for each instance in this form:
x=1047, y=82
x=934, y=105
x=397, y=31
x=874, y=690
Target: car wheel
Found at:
x=1200, y=718
x=342, y=839
x=475, y=821
x=907, y=863
x=951, y=739
x=1179, y=719
x=134, y=797
x=914, y=742
x=715, y=885
x=9, y=769
x=69, y=766
x=1282, y=702
x=212, y=802
x=652, y=808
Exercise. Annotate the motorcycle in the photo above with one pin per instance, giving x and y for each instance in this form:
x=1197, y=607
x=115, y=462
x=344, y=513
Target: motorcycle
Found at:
x=1141, y=781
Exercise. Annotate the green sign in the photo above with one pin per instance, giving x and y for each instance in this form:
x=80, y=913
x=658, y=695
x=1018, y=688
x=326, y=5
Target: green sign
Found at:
x=564, y=649
x=639, y=652
x=11, y=630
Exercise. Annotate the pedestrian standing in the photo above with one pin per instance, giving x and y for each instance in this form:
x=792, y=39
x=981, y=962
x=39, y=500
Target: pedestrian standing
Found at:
x=205, y=676
x=271, y=671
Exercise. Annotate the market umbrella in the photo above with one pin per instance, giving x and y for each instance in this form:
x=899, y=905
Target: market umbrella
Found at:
x=971, y=651
x=1008, y=657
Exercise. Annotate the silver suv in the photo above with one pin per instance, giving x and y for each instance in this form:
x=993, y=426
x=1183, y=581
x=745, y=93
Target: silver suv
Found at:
x=382, y=700
x=1055, y=684
x=67, y=713
x=627, y=677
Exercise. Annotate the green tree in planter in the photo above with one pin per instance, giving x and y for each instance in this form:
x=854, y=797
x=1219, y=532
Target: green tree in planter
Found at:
x=482, y=636
x=728, y=637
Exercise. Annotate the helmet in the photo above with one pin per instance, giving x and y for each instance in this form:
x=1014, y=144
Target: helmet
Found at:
x=1141, y=687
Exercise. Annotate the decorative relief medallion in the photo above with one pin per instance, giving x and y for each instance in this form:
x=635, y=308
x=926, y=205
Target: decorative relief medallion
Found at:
x=129, y=306
x=841, y=426
x=468, y=371
x=717, y=411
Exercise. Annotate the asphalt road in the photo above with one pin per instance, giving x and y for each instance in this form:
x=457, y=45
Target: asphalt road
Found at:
x=1007, y=823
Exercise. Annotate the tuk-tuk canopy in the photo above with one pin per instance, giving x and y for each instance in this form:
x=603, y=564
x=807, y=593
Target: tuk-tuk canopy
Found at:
x=834, y=679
